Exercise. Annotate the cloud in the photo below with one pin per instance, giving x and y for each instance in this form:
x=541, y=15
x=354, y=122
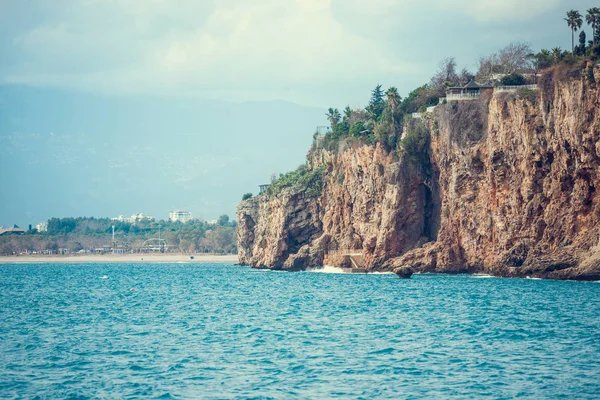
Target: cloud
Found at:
x=262, y=46
x=506, y=10
x=238, y=49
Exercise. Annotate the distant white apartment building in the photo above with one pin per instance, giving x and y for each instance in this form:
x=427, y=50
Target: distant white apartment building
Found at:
x=180, y=215
x=42, y=227
x=134, y=218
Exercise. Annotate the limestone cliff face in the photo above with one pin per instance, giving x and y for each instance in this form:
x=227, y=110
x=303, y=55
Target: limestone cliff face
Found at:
x=509, y=188
x=369, y=202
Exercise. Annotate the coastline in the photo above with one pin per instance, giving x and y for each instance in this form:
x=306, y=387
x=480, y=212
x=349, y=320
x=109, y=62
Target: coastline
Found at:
x=119, y=258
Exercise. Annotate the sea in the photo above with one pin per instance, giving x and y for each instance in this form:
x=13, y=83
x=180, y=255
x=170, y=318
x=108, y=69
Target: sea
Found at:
x=218, y=331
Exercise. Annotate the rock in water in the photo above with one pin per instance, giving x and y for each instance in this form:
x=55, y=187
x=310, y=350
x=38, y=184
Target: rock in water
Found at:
x=404, y=272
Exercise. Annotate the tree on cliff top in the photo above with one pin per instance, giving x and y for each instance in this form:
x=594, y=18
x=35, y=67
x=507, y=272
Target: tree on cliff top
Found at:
x=574, y=21
x=593, y=18
x=506, y=61
x=581, y=48
x=377, y=103
x=445, y=76
x=334, y=116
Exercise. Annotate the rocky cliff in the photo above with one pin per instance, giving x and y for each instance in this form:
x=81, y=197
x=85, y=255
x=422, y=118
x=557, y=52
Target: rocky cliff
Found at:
x=507, y=186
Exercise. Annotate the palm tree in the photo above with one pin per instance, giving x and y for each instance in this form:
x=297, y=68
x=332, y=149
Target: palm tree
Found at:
x=347, y=113
x=593, y=19
x=334, y=116
x=393, y=99
x=557, y=54
x=574, y=20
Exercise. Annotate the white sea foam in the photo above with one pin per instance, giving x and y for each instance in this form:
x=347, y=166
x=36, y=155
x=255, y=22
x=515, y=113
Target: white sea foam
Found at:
x=104, y=277
x=482, y=276
x=533, y=279
x=327, y=269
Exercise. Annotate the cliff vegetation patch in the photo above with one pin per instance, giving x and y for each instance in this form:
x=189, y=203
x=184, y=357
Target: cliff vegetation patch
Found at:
x=302, y=178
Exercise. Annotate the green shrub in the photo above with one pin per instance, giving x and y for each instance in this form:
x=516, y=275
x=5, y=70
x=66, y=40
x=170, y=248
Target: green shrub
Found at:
x=246, y=196
x=357, y=128
x=339, y=130
x=311, y=181
x=513, y=79
x=415, y=145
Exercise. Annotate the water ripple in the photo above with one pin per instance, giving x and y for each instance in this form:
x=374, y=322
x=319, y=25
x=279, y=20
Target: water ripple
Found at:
x=219, y=331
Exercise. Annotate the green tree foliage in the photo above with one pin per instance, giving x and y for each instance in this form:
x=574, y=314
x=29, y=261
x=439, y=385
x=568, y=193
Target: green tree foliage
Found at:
x=89, y=233
x=302, y=178
x=347, y=113
x=574, y=21
x=376, y=104
x=593, y=18
x=246, y=196
x=580, y=50
x=541, y=60
x=218, y=240
x=334, y=116
x=340, y=130
x=358, y=129
x=393, y=100
x=223, y=220
x=415, y=145
x=61, y=226
x=413, y=101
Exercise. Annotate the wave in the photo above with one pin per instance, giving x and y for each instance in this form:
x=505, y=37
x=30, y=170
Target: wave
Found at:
x=327, y=269
x=482, y=276
x=330, y=269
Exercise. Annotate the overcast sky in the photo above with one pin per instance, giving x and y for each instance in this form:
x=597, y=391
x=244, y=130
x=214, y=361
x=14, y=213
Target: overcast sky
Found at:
x=112, y=107
x=312, y=52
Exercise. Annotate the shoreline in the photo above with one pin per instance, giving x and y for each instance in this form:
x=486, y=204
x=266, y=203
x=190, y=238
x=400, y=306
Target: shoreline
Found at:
x=119, y=258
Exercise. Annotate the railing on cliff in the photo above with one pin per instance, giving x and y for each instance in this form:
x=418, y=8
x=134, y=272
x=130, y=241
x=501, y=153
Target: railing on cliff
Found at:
x=462, y=96
x=514, y=88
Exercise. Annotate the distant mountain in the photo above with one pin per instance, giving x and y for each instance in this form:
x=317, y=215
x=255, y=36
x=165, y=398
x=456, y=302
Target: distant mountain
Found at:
x=75, y=154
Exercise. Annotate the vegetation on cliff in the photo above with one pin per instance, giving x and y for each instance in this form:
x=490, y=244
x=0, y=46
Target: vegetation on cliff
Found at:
x=387, y=116
x=303, y=178
x=500, y=181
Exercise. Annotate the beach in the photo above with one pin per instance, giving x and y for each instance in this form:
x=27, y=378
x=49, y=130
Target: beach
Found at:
x=120, y=258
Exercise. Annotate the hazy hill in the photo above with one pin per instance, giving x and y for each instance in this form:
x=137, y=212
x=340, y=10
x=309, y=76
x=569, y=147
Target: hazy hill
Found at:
x=74, y=154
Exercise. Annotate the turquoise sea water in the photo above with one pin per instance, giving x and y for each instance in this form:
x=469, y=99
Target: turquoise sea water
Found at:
x=221, y=331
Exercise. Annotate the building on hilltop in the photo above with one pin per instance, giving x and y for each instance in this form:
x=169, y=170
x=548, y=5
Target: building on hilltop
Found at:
x=42, y=227
x=262, y=188
x=180, y=215
x=470, y=91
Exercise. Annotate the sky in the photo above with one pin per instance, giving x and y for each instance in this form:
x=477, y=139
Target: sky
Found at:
x=131, y=58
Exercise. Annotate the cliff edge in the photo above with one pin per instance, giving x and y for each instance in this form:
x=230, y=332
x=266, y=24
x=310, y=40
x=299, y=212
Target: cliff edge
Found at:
x=505, y=185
